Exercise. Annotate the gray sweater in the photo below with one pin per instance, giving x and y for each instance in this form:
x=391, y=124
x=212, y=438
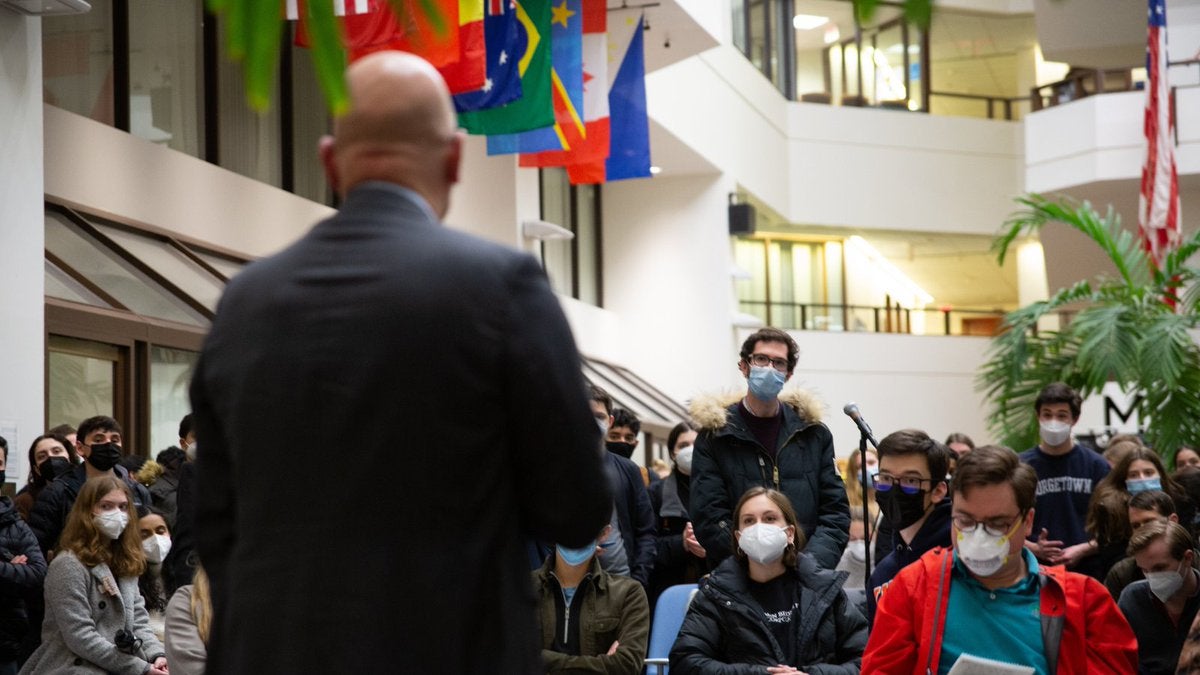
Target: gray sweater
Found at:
x=186, y=652
x=82, y=620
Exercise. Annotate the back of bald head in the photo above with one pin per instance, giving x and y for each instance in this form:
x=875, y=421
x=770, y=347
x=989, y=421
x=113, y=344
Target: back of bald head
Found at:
x=396, y=100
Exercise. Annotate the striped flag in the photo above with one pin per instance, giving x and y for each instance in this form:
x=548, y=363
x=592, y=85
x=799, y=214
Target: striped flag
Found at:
x=1158, y=208
x=340, y=8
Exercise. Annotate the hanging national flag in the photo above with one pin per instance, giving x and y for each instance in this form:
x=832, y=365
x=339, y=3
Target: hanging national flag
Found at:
x=629, y=127
x=534, y=109
x=470, y=71
x=1158, y=209
x=566, y=77
x=503, y=82
x=340, y=8
x=594, y=146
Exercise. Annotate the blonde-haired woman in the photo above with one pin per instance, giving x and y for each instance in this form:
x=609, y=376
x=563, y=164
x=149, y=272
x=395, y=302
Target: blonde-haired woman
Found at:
x=95, y=620
x=189, y=616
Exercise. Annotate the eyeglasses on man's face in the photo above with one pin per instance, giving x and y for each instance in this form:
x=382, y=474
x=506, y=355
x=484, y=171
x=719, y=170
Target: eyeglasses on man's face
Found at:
x=909, y=485
x=997, y=527
x=762, y=361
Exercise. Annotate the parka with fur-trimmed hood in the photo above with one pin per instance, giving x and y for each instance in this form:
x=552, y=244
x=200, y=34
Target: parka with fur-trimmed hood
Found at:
x=728, y=460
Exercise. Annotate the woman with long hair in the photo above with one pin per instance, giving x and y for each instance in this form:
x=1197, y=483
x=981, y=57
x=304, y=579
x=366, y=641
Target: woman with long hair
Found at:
x=95, y=620
x=189, y=618
x=50, y=456
x=679, y=557
x=770, y=605
x=1138, y=470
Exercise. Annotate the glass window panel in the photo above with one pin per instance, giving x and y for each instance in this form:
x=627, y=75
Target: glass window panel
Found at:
x=250, y=141
x=169, y=262
x=170, y=374
x=777, y=53
x=758, y=34
x=63, y=286
x=82, y=380
x=739, y=25
x=165, y=80
x=748, y=255
x=229, y=268
x=310, y=121
x=77, y=62
x=122, y=281
x=556, y=208
x=586, y=235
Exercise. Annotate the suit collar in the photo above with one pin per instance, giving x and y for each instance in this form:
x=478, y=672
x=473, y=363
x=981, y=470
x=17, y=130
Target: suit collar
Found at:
x=389, y=200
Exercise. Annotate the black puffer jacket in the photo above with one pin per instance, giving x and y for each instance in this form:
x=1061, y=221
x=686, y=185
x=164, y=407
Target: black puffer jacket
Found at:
x=729, y=460
x=724, y=632
x=17, y=581
x=53, y=505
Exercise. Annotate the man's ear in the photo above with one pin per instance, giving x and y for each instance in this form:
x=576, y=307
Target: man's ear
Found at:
x=454, y=158
x=325, y=151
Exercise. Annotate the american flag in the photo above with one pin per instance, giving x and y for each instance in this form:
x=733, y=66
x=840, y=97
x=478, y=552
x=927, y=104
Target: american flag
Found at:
x=1158, y=208
x=340, y=7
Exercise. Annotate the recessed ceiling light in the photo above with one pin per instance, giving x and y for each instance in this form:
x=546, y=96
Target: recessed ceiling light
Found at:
x=809, y=21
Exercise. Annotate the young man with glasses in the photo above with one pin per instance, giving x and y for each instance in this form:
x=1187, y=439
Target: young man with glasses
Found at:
x=911, y=490
x=987, y=598
x=770, y=440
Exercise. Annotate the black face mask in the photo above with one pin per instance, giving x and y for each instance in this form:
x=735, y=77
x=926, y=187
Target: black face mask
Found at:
x=104, y=456
x=619, y=448
x=53, y=467
x=900, y=509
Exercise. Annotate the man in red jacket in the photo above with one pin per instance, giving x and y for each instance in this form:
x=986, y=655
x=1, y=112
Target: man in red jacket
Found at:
x=987, y=599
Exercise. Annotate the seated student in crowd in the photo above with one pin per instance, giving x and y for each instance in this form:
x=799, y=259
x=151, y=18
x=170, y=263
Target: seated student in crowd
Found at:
x=631, y=548
x=187, y=625
x=22, y=570
x=770, y=608
x=99, y=443
x=911, y=490
x=1161, y=607
x=988, y=598
x=881, y=533
x=50, y=456
x=1139, y=470
x=590, y=621
x=161, y=477
x=854, y=558
x=679, y=558
x=156, y=543
x=1144, y=507
x=1185, y=455
x=958, y=444
x=95, y=618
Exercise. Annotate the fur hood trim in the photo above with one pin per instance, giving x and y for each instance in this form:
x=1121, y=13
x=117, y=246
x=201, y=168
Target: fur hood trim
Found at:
x=709, y=411
x=150, y=472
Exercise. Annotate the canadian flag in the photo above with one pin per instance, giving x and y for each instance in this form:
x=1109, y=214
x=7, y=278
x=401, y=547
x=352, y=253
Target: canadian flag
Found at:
x=340, y=8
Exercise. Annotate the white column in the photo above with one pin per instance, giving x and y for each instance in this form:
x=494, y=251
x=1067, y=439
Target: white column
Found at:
x=1032, y=284
x=22, y=239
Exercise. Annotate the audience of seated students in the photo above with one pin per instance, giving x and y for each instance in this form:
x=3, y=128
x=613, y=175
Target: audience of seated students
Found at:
x=1162, y=607
x=22, y=569
x=99, y=443
x=187, y=624
x=95, y=619
x=590, y=620
x=1144, y=507
x=161, y=477
x=769, y=608
x=631, y=548
x=1139, y=470
x=156, y=543
x=959, y=444
x=912, y=492
x=679, y=558
x=50, y=456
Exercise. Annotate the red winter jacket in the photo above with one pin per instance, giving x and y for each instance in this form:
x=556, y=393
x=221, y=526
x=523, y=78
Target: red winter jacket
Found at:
x=1082, y=629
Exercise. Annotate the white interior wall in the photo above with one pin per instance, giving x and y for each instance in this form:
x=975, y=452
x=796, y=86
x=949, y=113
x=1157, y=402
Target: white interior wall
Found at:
x=493, y=196
x=667, y=277
x=22, y=240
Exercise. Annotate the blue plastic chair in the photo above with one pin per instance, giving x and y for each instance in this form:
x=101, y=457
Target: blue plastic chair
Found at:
x=669, y=611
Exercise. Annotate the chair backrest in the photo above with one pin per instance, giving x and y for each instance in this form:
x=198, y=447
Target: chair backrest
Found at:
x=669, y=611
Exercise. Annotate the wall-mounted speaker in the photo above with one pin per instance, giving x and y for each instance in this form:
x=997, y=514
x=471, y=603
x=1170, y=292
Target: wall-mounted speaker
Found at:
x=742, y=218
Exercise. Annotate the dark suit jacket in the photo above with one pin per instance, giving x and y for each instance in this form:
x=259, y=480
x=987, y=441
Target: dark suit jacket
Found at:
x=382, y=410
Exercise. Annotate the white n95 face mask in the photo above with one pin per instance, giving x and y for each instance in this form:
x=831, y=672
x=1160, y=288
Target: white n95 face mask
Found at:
x=156, y=547
x=984, y=553
x=683, y=460
x=111, y=523
x=1164, y=584
x=1054, y=432
x=763, y=543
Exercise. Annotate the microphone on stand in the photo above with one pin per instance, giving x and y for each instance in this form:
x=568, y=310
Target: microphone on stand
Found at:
x=855, y=414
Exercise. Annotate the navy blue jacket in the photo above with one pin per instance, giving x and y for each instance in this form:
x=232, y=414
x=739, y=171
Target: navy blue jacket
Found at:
x=634, y=516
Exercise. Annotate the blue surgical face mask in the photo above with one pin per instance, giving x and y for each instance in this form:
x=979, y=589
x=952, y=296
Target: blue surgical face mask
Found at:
x=765, y=382
x=576, y=556
x=1143, y=485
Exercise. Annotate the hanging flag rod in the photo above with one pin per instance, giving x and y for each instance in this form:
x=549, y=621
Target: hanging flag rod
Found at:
x=625, y=5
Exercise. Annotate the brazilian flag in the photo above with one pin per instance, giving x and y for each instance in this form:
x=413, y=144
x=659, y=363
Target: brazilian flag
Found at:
x=535, y=108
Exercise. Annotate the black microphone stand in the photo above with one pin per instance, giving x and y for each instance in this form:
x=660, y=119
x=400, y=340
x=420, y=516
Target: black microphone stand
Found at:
x=862, y=465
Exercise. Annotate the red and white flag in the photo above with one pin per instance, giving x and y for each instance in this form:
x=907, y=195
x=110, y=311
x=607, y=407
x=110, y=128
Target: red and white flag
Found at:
x=340, y=8
x=1158, y=208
